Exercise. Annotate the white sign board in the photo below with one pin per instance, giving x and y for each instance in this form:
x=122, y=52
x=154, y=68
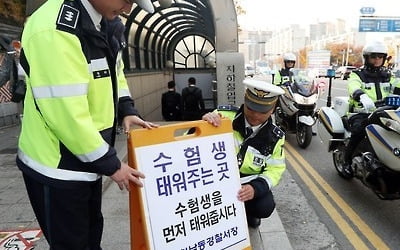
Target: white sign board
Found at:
x=190, y=194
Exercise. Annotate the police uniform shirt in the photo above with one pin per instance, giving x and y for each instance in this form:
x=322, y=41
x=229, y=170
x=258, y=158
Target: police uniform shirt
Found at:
x=94, y=15
x=250, y=129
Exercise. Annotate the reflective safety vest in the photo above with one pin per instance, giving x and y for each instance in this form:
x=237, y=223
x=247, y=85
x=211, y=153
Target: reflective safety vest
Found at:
x=282, y=76
x=74, y=82
x=377, y=85
x=264, y=155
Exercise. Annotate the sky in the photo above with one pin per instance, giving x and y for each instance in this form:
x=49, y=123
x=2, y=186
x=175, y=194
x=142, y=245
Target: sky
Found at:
x=267, y=14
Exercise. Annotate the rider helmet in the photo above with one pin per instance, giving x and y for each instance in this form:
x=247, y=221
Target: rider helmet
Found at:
x=289, y=57
x=373, y=49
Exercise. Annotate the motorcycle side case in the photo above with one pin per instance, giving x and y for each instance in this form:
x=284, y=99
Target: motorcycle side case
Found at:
x=330, y=126
x=386, y=145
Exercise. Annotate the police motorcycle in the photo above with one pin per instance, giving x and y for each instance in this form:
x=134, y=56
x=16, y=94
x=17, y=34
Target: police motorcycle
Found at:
x=376, y=159
x=296, y=109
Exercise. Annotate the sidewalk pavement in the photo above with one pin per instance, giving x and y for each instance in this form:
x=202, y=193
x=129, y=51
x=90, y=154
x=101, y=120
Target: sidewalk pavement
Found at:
x=18, y=226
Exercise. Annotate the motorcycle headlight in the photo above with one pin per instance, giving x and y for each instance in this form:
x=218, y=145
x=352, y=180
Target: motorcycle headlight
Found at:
x=297, y=98
x=390, y=123
x=313, y=99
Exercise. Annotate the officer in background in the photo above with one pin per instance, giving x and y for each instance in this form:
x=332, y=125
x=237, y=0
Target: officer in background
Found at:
x=260, y=152
x=76, y=89
x=12, y=76
x=284, y=75
x=192, y=101
x=171, y=104
x=370, y=84
x=7, y=62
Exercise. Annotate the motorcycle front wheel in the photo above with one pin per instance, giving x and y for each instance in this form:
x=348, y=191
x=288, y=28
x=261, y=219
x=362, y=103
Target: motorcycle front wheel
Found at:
x=303, y=135
x=343, y=170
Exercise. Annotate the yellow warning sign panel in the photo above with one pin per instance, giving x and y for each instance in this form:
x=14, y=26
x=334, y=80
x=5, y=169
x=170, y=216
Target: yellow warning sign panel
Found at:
x=189, y=199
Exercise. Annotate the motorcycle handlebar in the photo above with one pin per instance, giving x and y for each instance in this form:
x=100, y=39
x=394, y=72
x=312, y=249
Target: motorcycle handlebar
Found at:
x=380, y=103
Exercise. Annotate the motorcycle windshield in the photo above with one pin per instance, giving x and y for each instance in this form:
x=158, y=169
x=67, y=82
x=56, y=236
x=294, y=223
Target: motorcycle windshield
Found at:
x=304, y=82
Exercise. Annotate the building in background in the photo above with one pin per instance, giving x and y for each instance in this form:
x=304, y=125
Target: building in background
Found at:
x=317, y=36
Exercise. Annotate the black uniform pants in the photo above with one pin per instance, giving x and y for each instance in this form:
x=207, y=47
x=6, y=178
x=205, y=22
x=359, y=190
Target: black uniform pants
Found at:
x=357, y=124
x=261, y=207
x=70, y=218
x=192, y=115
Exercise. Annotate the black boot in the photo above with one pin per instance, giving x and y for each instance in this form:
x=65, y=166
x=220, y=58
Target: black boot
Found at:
x=253, y=222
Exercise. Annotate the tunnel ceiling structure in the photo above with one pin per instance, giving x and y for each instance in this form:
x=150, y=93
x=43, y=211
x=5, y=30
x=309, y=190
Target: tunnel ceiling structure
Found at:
x=152, y=38
x=191, y=29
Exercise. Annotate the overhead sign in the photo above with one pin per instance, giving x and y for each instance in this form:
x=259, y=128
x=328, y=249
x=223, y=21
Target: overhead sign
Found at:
x=379, y=24
x=367, y=10
x=189, y=199
x=319, y=59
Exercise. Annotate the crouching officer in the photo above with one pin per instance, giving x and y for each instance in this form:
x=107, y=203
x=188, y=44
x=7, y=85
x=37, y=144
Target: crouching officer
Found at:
x=260, y=153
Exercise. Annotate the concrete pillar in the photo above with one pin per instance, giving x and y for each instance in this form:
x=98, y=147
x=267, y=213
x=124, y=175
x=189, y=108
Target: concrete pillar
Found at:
x=230, y=63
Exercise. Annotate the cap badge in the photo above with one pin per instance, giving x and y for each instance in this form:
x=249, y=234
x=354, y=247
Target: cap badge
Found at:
x=261, y=93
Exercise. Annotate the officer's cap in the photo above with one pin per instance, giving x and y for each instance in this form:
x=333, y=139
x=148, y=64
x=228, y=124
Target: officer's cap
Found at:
x=261, y=96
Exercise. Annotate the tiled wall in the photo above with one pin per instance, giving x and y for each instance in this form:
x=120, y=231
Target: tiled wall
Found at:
x=146, y=90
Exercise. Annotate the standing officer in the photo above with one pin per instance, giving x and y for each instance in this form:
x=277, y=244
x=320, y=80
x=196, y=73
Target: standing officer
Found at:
x=371, y=83
x=171, y=104
x=7, y=61
x=76, y=90
x=192, y=101
x=284, y=75
x=260, y=153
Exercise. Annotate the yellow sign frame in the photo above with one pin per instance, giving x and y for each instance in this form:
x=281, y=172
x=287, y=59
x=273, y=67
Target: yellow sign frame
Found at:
x=145, y=137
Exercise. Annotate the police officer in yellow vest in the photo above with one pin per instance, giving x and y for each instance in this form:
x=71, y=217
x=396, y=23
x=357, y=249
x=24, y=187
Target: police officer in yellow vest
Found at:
x=260, y=153
x=370, y=84
x=76, y=92
x=284, y=75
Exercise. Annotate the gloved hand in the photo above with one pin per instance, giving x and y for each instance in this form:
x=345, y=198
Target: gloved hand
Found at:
x=367, y=102
x=286, y=84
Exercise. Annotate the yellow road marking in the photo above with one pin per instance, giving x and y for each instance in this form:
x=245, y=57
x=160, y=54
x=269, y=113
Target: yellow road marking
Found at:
x=351, y=235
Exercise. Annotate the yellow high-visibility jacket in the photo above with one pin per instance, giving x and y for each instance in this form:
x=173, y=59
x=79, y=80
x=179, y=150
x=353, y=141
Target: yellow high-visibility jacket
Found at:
x=75, y=91
x=263, y=159
x=282, y=76
x=377, y=85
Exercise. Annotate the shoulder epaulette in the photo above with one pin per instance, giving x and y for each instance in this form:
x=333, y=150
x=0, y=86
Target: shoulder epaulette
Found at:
x=278, y=132
x=67, y=17
x=227, y=108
